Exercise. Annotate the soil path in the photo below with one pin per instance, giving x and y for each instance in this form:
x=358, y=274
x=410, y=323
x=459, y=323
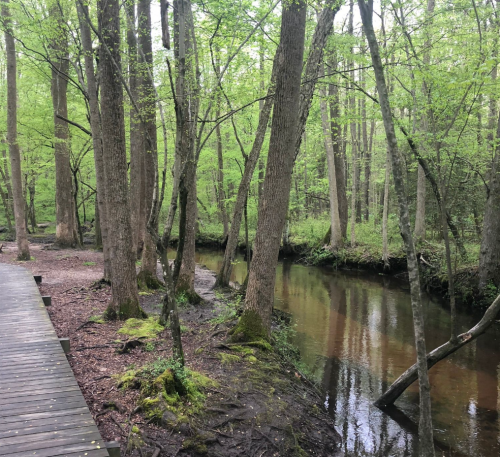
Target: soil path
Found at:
x=257, y=405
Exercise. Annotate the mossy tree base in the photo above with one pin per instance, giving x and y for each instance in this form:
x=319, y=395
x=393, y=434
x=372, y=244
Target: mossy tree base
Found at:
x=124, y=312
x=148, y=281
x=190, y=296
x=249, y=328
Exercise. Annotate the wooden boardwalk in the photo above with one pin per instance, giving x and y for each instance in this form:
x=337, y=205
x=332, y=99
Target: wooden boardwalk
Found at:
x=42, y=410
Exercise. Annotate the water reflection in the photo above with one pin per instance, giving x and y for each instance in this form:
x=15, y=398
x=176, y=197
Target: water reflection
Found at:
x=355, y=331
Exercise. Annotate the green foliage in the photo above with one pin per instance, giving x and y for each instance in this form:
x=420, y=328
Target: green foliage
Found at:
x=225, y=309
x=98, y=319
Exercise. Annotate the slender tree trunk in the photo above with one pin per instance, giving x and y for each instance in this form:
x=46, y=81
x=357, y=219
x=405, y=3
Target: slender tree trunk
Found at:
x=221, y=194
x=187, y=94
x=6, y=208
x=232, y=241
x=425, y=422
x=23, y=250
x=147, y=275
x=137, y=140
x=385, y=214
x=339, y=157
x=31, y=207
x=255, y=321
x=65, y=211
x=95, y=123
x=420, y=212
x=125, y=299
x=336, y=240
x=489, y=256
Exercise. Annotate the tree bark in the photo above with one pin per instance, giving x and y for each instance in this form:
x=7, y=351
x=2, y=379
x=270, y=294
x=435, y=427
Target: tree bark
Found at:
x=23, y=251
x=187, y=94
x=232, y=241
x=125, y=299
x=489, y=255
x=425, y=422
x=65, y=211
x=420, y=212
x=95, y=124
x=336, y=240
x=385, y=213
x=147, y=274
x=137, y=140
x=339, y=157
x=255, y=321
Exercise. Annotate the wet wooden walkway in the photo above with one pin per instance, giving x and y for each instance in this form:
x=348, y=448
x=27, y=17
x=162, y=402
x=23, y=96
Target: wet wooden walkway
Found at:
x=42, y=410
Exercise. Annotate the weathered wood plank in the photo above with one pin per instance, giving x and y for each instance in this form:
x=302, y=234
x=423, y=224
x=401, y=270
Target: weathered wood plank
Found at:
x=42, y=410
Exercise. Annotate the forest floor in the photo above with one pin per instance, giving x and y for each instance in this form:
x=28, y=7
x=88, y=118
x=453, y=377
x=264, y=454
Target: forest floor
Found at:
x=246, y=402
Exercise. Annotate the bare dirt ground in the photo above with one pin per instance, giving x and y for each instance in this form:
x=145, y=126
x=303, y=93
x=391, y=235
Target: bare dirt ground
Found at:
x=257, y=407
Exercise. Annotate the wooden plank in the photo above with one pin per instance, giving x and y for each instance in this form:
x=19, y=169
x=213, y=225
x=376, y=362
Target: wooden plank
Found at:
x=46, y=407
x=54, y=420
x=30, y=384
x=39, y=396
x=87, y=440
x=13, y=397
x=42, y=410
x=69, y=423
x=76, y=450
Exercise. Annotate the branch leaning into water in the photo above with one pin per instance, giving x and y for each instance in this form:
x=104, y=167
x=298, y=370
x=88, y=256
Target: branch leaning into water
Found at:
x=438, y=354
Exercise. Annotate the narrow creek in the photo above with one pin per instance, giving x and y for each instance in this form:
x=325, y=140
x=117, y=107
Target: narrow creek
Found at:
x=355, y=332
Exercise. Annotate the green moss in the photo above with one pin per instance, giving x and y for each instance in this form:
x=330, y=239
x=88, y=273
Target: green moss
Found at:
x=228, y=359
x=141, y=328
x=249, y=328
x=127, y=379
x=135, y=429
x=245, y=350
x=199, y=351
x=252, y=359
x=97, y=319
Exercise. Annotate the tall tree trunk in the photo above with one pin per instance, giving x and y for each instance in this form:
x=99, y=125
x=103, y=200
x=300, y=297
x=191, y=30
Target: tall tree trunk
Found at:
x=221, y=194
x=187, y=94
x=385, y=213
x=343, y=205
x=489, y=256
x=224, y=274
x=147, y=275
x=420, y=212
x=23, y=250
x=137, y=140
x=255, y=321
x=95, y=124
x=65, y=211
x=322, y=31
x=336, y=240
x=31, y=206
x=125, y=299
x=426, y=448
x=352, y=125
x=6, y=208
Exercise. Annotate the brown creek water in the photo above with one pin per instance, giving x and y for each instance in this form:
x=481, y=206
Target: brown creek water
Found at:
x=355, y=332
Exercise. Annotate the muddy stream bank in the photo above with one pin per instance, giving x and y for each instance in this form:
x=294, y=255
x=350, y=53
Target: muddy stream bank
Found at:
x=354, y=331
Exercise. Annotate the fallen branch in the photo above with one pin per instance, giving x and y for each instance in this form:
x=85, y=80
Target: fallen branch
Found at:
x=438, y=354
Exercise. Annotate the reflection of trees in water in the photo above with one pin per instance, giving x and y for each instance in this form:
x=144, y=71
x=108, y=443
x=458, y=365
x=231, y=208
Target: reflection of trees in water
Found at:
x=365, y=322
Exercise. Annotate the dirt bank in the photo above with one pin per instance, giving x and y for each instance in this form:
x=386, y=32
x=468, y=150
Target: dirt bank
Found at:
x=239, y=400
